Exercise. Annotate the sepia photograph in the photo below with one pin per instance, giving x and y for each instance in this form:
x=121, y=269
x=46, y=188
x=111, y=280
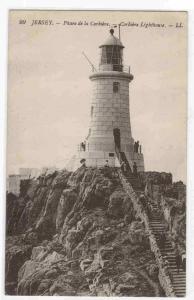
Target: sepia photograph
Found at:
x=96, y=157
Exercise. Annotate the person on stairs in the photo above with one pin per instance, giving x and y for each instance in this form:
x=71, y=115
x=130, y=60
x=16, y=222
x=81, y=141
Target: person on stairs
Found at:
x=178, y=260
x=184, y=261
x=162, y=240
x=135, y=168
x=124, y=167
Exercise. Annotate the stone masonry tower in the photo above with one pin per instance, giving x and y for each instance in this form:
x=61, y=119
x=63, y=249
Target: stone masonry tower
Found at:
x=110, y=138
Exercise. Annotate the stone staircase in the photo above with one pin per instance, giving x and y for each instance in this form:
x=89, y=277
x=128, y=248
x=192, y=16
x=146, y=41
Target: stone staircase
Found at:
x=134, y=181
x=178, y=279
x=157, y=226
x=132, y=178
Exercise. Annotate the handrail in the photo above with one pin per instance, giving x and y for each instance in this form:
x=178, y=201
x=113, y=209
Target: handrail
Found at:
x=122, y=157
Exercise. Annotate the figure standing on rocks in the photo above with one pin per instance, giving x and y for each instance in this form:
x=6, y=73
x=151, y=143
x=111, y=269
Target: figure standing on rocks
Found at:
x=83, y=146
x=83, y=162
x=106, y=164
x=135, y=147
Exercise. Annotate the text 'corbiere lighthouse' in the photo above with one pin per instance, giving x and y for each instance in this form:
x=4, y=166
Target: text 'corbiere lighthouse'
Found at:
x=110, y=140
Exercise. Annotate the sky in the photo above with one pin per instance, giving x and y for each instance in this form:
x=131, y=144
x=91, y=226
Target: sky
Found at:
x=49, y=91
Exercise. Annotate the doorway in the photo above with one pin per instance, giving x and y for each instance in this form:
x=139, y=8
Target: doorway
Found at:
x=117, y=138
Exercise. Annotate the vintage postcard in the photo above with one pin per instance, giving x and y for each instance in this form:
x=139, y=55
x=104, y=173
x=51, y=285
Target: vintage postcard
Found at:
x=96, y=153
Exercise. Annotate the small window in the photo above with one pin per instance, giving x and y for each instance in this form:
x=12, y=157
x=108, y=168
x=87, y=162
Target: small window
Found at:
x=111, y=154
x=115, y=87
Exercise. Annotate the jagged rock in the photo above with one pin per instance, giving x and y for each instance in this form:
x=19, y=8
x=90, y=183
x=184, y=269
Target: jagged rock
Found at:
x=17, y=252
x=85, y=264
x=115, y=207
x=65, y=205
x=153, y=271
x=85, y=238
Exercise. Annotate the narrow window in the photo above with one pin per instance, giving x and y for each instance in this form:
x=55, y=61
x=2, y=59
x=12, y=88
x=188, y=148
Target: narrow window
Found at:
x=111, y=154
x=115, y=87
x=92, y=109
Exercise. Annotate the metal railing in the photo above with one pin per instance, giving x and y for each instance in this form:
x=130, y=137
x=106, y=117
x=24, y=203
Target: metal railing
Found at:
x=113, y=67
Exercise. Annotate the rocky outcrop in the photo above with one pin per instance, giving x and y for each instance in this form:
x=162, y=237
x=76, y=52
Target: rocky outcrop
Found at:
x=36, y=208
x=80, y=235
x=171, y=199
x=175, y=216
x=17, y=252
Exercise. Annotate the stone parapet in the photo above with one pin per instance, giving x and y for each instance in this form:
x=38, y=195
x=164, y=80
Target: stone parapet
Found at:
x=111, y=74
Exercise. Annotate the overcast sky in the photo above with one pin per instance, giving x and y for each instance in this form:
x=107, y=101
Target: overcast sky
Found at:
x=49, y=91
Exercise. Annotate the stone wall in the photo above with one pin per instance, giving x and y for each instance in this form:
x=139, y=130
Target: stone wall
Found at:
x=164, y=276
x=110, y=110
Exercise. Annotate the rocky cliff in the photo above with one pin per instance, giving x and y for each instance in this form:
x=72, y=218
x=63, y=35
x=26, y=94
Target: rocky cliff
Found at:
x=78, y=234
x=171, y=198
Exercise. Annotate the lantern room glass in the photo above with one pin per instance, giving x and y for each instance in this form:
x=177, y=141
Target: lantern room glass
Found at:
x=112, y=55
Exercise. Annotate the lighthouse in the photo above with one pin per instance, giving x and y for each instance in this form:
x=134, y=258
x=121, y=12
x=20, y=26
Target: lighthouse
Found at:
x=109, y=140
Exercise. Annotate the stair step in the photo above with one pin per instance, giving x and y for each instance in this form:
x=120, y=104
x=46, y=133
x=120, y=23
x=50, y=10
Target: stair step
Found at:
x=157, y=225
x=179, y=280
x=181, y=273
x=154, y=223
x=158, y=230
x=175, y=274
x=171, y=260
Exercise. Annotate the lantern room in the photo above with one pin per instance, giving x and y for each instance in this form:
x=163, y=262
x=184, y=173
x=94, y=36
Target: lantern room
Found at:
x=111, y=55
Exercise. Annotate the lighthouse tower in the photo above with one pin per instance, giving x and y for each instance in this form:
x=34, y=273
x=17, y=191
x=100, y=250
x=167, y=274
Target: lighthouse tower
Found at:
x=109, y=139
